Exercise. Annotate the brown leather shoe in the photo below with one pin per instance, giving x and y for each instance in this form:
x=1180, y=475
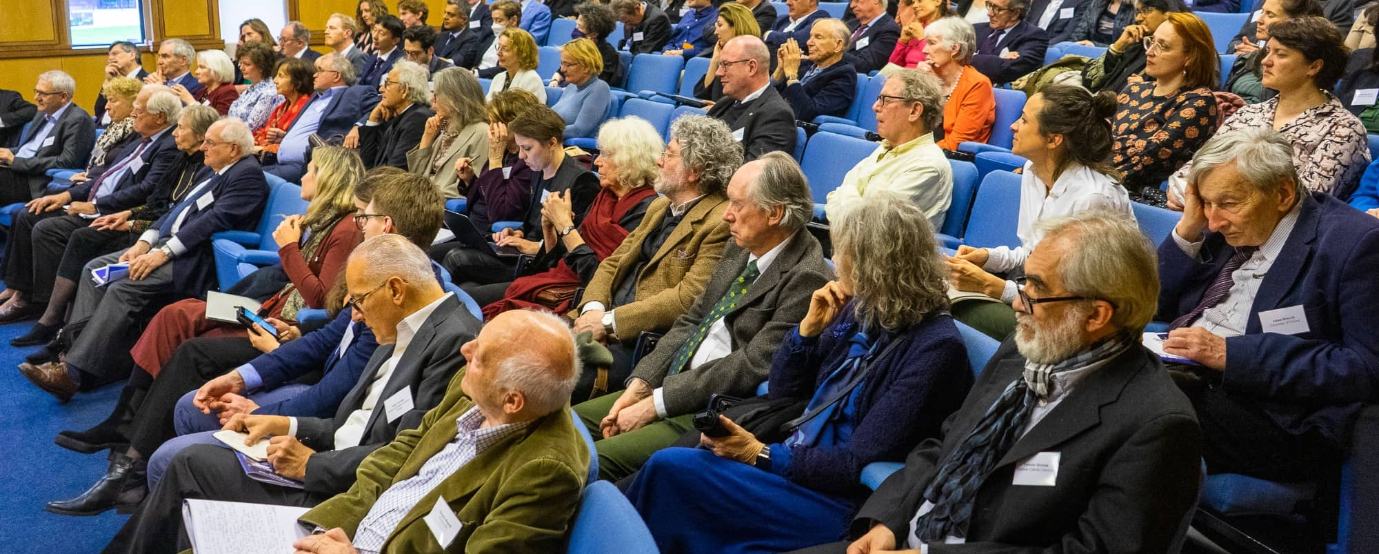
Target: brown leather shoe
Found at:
x=51, y=377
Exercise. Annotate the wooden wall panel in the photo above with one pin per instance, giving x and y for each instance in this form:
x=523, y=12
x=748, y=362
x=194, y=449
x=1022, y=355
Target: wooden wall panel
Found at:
x=33, y=22
x=314, y=13
x=88, y=70
x=189, y=19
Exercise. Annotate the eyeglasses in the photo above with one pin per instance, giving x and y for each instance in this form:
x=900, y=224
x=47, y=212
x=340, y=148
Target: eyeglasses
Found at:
x=387, y=82
x=1029, y=303
x=354, y=301
x=726, y=64
x=211, y=143
x=40, y=93
x=1151, y=44
x=992, y=8
x=883, y=98
x=363, y=219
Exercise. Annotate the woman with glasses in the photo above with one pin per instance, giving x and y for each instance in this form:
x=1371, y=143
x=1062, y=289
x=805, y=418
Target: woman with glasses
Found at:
x=874, y=367
x=969, y=106
x=457, y=131
x=295, y=80
x=517, y=57
x=1125, y=57
x=1063, y=132
x=1160, y=124
x=585, y=99
x=256, y=103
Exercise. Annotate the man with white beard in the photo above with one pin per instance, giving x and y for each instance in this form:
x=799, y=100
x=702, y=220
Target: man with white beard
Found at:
x=1074, y=437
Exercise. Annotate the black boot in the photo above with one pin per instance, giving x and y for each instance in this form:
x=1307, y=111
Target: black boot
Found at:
x=123, y=485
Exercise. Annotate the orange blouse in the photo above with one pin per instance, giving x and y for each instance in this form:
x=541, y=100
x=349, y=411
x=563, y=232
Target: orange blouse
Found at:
x=970, y=111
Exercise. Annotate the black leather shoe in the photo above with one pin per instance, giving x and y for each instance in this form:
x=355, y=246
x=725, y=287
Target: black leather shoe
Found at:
x=123, y=485
x=90, y=441
x=40, y=334
x=43, y=356
x=21, y=313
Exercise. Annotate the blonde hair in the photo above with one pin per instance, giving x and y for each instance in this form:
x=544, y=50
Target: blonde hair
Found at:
x=740, y=18
x=523, y=46
x=338, y=170
x=586, y=54
x=123, y=87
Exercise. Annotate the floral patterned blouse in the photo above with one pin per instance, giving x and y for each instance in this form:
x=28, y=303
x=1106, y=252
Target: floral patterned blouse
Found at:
x=256, y=103
x=1330, y=147
x=1155, y=135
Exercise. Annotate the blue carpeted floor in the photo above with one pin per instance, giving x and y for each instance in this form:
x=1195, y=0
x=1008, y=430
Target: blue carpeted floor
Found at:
x=37, y=471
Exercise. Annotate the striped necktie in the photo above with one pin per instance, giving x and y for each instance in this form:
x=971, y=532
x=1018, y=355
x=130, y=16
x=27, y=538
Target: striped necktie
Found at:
x=1219, y=288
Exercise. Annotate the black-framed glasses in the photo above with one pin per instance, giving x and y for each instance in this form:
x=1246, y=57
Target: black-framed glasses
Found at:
x=39, y=93
x=354, y=301
x=992, y=8
x=1029, y=303
x=360, y=220
x=726, y=64
x=883, y=98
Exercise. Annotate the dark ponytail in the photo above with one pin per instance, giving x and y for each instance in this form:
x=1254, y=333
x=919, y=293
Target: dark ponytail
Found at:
x=1084, y=121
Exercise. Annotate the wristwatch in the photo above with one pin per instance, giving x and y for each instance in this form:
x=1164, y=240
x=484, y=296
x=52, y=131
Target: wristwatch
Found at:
x=567, y=230
x=608, y=322
x=764, y=459
x=167, y=251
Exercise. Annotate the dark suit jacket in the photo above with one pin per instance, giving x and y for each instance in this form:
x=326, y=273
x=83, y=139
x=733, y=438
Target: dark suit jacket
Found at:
x=776, y=35
x=346, y=108
x=1060, y=28
x=463, y=50
x=135, y=187
x=1128, y=471
x=1312, y=382
x=388, y=142
x=373, y=76
x=765, y=14
x=655, y=30
x=360, y=59
x=480, y=12
x=1029, y=41
x=572, y=176
x=828, y=93
x=310, y=55
x=317, y=350
x=774, y=304
x=237, y=200
x=15, y=111
x=424, y=370
x=72, y=141
x=880, y=38
x=766, y=124
x=101, y=100
x=438, y=63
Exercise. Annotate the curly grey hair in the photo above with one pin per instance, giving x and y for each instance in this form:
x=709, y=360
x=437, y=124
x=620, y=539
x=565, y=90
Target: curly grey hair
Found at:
x=887, y=248
x=955, y=31
x=707, y=146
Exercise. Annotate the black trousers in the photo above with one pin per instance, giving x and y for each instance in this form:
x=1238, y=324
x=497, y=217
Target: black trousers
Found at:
x=193, y=364
x=201, y=471
x=35, y=244
x=14, y=187
x=473, y=266
x=87, y=244
x=487, y=294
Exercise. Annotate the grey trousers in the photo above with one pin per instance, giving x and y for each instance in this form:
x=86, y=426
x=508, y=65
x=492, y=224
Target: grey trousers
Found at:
x=110, y=314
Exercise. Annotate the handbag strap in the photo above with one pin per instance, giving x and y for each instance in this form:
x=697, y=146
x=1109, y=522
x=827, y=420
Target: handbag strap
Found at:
x=792, y=425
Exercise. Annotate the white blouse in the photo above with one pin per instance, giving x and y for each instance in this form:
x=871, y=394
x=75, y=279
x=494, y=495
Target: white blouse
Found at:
x=526, y=80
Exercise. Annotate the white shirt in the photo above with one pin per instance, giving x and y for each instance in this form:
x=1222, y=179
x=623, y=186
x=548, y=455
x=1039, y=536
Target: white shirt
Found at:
x=490, y=58
x=757, y=94
x=1077, y=189
x=350, y=433
x=1050, y=13
x=527, y=80
x=719, y=341
x=1230, y=317
x=793, y=23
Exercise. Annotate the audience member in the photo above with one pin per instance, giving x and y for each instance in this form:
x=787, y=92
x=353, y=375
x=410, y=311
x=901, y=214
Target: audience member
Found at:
x=762, y=11
x=795, y=24
x=294, y=41
x=1361, y=73
x=396, y=124
x=518, y=57
x=506, y=15
x=596, y=22
x=121, y=93
x=659, y=270
x=1361, y=35
x=61, y=134
x=500, y=188
x=419, y=44
x=882, y=365
x=479, y=11
x=1160, y=123
x=1057, y=18
x=413, y=13
x=909, y=47
x=629, y=149
x=907, y=163
x=391, y=287
x=367, y=13
x=126, y=181
x=122, y=60
x=645, y=28
x=256, y=103
x=1102, y=22
x=1246, y=76
x=1270, y=298
x=969, y=108
x=971, y=11
x=732, y=22
x=255, y=30
x=1125, y=57
x=330, y=114
x=457, y=40
x=1075, y=363
x=693, y=33
x=457, y=131
x=340, y=32
x=1008, y=47
x=174, y=67
x=536, y=20
x=761, y=120
x=295, y=80
x=171, y=259
x=874, y=34
x=15, y=112
x=524, y=468
x=387, y=38
x=585, y=100
x=216, y=74
x=826, y=82
x=722, y=344
x=1063, y=132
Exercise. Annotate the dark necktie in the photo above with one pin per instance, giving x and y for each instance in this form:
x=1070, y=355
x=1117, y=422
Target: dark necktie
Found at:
x=860, y=30
x=1219, y=287
x=992, y=40
x=96, y=187
x=736, y=291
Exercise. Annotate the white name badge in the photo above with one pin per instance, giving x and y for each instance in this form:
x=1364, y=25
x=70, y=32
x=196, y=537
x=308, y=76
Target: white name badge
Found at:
x=204, y=201
x=1005, y=51
x=637, y=37
x=443, y=523
x=1365, y=97
x=737, y=135
x=397, y=404
x=1255, y=16
x=47, y=142
x=862, y=43
x=1065, y=13
x=138, y=163
x=474, y=24
x=1284, y=321
x=1040, y=470
x=507, y=173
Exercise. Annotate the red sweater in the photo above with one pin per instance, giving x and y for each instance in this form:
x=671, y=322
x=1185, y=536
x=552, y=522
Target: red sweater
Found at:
x=314, y=277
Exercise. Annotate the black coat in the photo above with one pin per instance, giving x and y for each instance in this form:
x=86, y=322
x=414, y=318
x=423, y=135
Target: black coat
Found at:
x=655, y=30
x=879, y=41
x=1060, y=28
x=766, y=124
x=15, y=111
x=388, y=142
x=1029, y=41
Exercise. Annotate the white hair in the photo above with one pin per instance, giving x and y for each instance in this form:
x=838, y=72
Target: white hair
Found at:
x=168, y=105
x=234, y=131
x=391, y=255
x=954, y=30
x=1263, y=157
x=545, y=388
x=60, y=81
x=414, y=76
x=219, y=63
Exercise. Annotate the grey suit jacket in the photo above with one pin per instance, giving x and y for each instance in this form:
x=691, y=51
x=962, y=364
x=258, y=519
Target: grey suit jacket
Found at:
x=71, y=146
x=425, y=369
x=774, y=304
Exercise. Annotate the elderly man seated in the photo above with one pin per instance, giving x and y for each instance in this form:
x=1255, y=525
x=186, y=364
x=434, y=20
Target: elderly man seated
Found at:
x=60, y=135
x=1271, y=290
x=1008, y=47
x=1072, y=435
x=421, y=329
x=758, y=115
x=907, y=162
x=724, y=344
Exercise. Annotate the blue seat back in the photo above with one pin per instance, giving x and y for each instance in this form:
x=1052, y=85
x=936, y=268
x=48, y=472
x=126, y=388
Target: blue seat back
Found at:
x=801, y=138
x=284, y=198
x=553, y=95
x=1009, y=104
x=843, y=129
x=1374, y=147
x=987, y=162
x=547, y=62
x=589, y=444
x=625, y=58
x=616, y=36
x=655, y=73
x=680, y=112
x=1155, y=222
x=827, y=159
x=1223, y=27
x=980, y=348
x=608, y=524
x=484, y=84
x=1227, y=60
x=995, y=212
x=964, y=190
x=655, y=113
x=560, y=31
x=469, y=303
x=695, y=70
x=835, y=9
x=866, y=118
x=1054, y=53
x=781, y=10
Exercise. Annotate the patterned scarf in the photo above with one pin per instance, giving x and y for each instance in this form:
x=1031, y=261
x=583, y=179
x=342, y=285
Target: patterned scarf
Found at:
x=114, y=133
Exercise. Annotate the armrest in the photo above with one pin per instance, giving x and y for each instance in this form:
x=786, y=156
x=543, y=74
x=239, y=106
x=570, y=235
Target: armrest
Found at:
x=842, y=129
x=247, y=238
x=61, y=173
x=833, y=119
x=876, y=472
x=979, y=147
x=310, y=314
x=457, y=205
x=947, y=241
x=500, y=225
x=259, y=257
x=763, y=388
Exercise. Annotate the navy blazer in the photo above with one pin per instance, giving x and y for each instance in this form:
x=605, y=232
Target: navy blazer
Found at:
x=880, y=39
x=319, y=349
x=828, y=93
x=388, y=142
x=237, y=200
x=70, y=147
x=1313, y=381
x=462, y=50
x=193, y=86
x=15, y=111
x=424, y=370
x=1225, y=6
x=1031, y=42
x=310, y=55
x=479, y=12
x=1060, y=28
x=375, y=68
x=135, y=187
x=655, y=30
x=776, y=35
x=346, y=108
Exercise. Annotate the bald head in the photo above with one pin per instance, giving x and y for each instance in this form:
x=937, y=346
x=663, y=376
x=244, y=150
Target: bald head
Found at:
x=745, y=66
x=522, y=366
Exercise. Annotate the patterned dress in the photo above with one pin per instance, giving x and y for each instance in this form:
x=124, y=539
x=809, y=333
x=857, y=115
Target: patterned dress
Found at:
x=256, y=103
x=1330, y=147
x=1155, y=135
